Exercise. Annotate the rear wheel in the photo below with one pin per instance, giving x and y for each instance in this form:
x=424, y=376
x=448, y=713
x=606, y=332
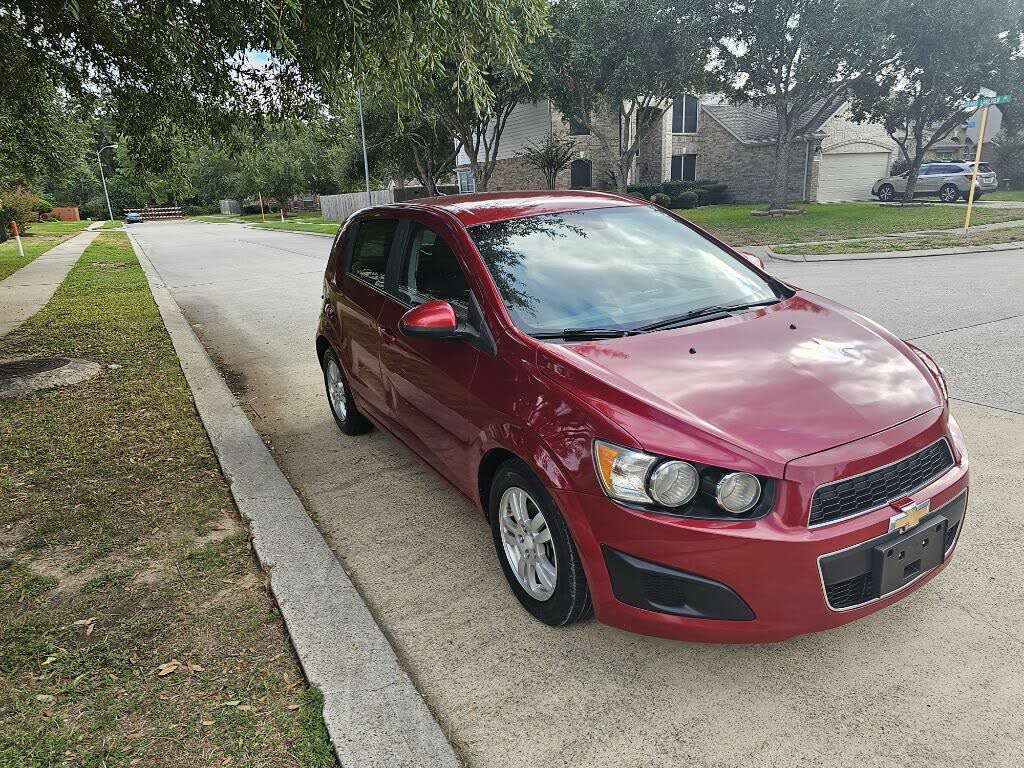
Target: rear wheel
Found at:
x=949, y=193
x=536, y=551
x=886, y=193
x=339, y=397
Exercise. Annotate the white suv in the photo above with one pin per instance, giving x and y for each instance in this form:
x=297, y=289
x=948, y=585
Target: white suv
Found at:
x=948, y=181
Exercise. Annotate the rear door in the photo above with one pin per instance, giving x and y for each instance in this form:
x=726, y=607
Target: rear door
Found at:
x=428, y=381
x=360, y=301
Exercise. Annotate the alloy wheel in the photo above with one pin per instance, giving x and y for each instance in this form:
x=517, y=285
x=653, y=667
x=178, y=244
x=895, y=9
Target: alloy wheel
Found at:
x=526, y=541
x=336, y=390
x=885, y=193
x=949, y=194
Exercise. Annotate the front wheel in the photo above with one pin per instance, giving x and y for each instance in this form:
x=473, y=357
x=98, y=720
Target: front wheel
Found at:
x=339, y=397
x=886, y=193
x=536, y=551
x=949, y=193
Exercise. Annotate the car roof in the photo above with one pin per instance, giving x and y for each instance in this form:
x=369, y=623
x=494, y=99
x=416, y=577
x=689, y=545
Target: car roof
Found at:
x=488, y=207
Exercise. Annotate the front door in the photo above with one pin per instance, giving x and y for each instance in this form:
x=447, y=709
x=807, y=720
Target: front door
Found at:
x=428, y=380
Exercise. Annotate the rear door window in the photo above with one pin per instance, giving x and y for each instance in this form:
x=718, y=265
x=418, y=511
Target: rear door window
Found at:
x=370, y=252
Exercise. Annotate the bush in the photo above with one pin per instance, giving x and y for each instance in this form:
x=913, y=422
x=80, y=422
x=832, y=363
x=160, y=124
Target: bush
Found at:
x=201, y=209
x=686, y=199
x=674, y=188
x=660, y=198
x=19, y=206
x=645, y=190
x=43, y=206
x=712, y=192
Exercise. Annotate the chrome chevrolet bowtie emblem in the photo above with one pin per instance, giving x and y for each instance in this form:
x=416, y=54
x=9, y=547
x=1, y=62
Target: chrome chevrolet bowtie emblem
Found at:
x=910, y=514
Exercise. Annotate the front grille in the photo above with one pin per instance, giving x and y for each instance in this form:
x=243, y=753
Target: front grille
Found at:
x=853, y=591
x=877, y=488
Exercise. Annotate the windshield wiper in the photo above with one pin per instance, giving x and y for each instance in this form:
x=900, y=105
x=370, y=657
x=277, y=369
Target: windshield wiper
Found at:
x=584, y=333
x=705, y=312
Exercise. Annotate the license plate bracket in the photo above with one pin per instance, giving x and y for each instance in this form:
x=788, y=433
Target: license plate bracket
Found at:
x=899, y=561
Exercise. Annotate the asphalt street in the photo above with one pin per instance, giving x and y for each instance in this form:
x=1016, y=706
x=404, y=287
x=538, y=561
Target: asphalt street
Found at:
x=937, y=679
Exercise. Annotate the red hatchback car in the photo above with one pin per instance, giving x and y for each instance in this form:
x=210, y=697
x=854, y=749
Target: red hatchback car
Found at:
x=657, y=430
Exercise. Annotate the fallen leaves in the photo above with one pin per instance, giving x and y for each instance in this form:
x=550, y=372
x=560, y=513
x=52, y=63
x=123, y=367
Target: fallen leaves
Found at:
x=89, y=624
x=172, y=666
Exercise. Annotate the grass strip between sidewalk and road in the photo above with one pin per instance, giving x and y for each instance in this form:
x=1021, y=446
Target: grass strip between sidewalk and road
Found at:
x=834, y=221
x=294, y=222
x=40, y=238
x=135, y=625
x=884, y=244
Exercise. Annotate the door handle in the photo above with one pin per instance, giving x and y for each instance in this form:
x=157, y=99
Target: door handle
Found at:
x=386, y=336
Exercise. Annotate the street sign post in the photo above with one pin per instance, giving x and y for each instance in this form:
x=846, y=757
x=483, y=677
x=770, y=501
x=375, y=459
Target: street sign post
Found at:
x=985, y=99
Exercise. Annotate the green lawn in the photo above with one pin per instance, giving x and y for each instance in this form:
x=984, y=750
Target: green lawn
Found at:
x=836, y=221
x=1015, y=195
x=993, y=237
x=294, y=222
x=40, y=238
x=135, y=625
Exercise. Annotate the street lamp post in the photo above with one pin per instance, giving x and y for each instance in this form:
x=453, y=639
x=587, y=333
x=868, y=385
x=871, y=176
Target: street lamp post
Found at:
x=99, y=160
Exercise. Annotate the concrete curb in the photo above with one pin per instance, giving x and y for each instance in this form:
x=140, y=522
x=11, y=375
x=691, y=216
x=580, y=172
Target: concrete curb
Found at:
x=287, y=231
x=908, y=254
x=374, y=714
x=25, y=292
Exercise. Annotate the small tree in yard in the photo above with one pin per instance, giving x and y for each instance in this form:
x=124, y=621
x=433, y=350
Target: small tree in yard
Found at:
x=796, y=58
x=551, y=156
x=629, y=58
x=936, y=56
x=1008, y=149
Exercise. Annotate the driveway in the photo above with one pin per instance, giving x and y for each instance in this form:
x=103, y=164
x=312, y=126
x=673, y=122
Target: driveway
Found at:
x=937, y=679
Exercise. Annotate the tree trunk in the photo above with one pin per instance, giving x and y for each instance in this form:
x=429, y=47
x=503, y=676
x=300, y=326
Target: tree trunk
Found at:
x=915, y=168
x=780, y=185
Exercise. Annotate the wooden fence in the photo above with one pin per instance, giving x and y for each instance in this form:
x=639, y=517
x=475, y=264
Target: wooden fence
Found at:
x=158, y=213
x=340, y=207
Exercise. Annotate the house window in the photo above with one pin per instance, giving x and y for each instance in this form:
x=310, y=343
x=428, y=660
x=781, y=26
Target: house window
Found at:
x=466, y=182
x=684, y=167
x=577, y=128
x=579, y=174
x=684, y=114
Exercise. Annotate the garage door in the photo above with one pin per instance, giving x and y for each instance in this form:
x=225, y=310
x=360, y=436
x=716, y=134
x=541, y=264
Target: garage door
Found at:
x=850, y=175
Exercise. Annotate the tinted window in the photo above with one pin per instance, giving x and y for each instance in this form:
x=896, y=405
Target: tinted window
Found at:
x=684, y=114
x=577, y=128
x=684, y=167
x=431, y=271
x=609, y=268
x=579, y=174
x=371, y=250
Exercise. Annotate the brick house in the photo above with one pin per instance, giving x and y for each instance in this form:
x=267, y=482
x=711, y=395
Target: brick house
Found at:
x=698, y=138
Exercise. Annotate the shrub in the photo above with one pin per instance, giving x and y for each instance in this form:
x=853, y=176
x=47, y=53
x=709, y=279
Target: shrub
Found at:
x=43, y=206
x=660, y=198
x=674, y=188
x=19, y=206
x=645, y=190
x=712, y=192
x=899, y=166
x=686, y=199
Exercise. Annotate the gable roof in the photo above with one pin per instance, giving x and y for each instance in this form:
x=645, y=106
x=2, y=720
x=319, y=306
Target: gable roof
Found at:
x=754, y=125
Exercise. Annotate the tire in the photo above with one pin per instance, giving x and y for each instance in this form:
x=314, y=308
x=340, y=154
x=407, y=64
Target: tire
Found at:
x=886, y=193
x=339, y=397
x=557, y=598
x=949, y=193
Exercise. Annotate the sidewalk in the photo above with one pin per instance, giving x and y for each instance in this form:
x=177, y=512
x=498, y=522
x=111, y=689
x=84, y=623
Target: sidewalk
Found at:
x=26, y=291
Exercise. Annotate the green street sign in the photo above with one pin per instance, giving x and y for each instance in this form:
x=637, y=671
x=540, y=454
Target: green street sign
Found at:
x=988, y=101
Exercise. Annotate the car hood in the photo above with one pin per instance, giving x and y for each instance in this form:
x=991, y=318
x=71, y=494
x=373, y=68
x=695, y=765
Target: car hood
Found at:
x=778, y=383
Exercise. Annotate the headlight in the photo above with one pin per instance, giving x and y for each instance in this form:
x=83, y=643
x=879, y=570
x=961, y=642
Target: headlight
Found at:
x=738, y=492
x=637, y=477
x=623, y=472
x=673, y=483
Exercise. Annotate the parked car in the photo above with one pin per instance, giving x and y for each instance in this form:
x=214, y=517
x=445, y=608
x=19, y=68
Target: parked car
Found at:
x=948, y=181
x=133, y=218
x=656, y=429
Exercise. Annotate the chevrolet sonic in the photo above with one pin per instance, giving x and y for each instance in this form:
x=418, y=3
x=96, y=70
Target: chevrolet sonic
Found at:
x=657, y=430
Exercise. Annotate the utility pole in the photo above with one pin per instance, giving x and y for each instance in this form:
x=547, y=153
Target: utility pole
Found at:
x=99, y=160
x=362, y=132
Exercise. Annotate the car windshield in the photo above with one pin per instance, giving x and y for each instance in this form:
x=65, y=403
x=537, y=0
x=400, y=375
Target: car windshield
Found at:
x=611, y=268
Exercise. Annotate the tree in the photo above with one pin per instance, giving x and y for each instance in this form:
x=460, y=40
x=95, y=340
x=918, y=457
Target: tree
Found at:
x=1008, y=148
x=928, y=71
x=627, y=58
x=551, y=156
x=797, y=59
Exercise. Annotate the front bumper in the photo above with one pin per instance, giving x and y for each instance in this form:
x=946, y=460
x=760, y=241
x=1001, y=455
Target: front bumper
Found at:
x=772, y=565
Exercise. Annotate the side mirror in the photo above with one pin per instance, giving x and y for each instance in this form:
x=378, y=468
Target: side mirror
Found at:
x=755, y=260
x=430, y=320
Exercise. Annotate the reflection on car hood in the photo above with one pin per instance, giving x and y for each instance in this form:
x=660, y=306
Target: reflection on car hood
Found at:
x=779, y=382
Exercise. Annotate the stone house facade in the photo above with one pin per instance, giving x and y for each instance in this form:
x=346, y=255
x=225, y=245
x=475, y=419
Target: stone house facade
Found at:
x=835, y=159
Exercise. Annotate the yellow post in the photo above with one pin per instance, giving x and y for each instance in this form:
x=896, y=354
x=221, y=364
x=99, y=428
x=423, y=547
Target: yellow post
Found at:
x=262, y=215
x=975, y=171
